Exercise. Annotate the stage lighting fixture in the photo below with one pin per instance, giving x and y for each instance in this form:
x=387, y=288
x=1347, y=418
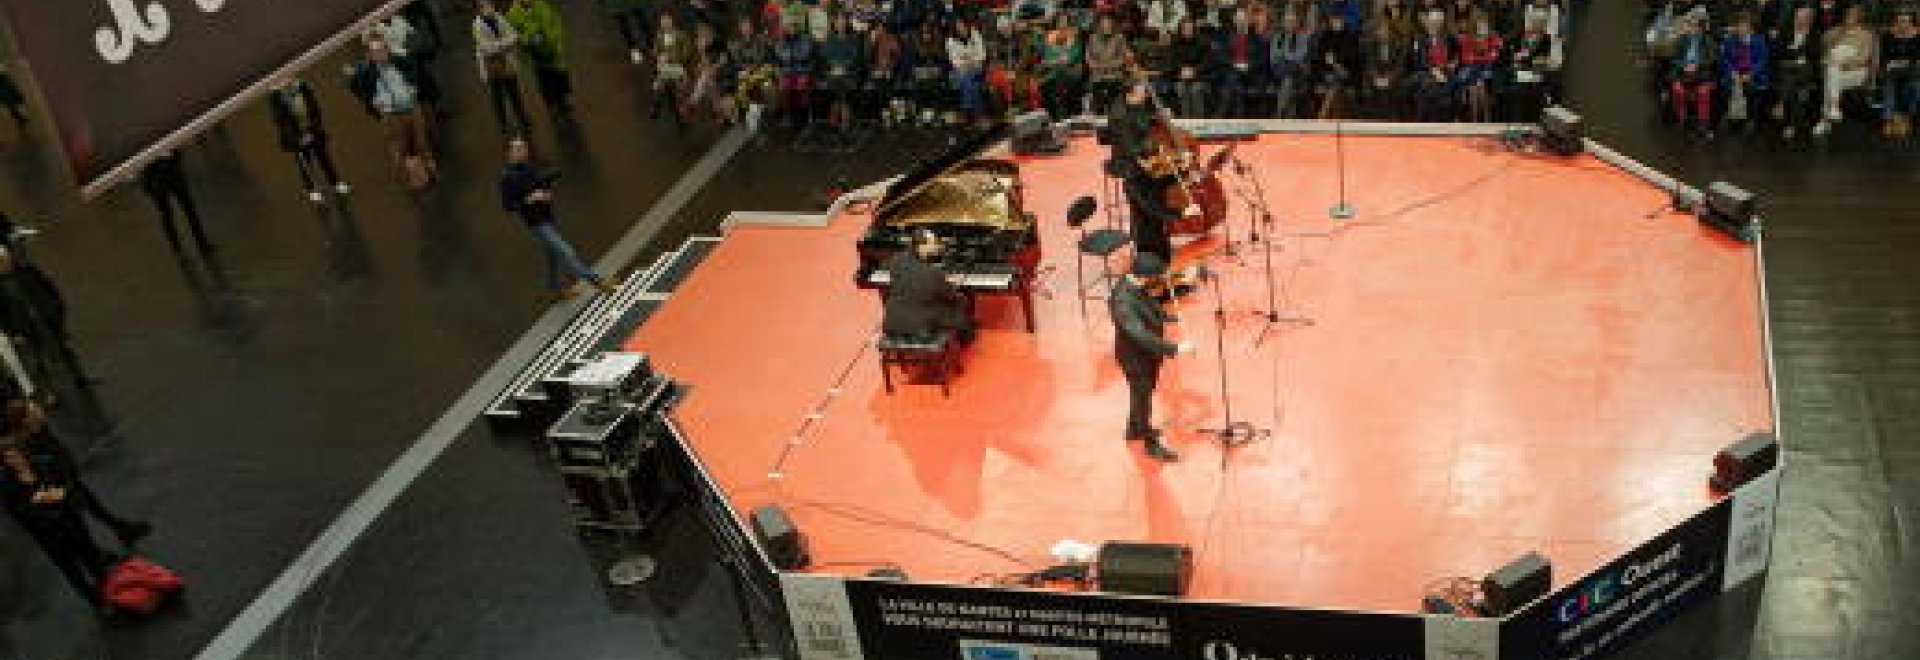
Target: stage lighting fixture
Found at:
x=1740, y=462
x=1562, y=132
x=1521, y=581
x=1731, y=209
x=1035, y=133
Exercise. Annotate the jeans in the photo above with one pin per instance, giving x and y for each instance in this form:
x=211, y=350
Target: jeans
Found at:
x=971, y=85
x=560, y=255
x=1899, y=93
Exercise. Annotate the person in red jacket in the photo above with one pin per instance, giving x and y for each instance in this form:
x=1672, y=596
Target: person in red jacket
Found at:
x=1480, y=48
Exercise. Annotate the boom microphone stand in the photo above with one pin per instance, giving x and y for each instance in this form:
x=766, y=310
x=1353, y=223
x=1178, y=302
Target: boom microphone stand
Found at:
x=1257, y=209
x=1231, y=432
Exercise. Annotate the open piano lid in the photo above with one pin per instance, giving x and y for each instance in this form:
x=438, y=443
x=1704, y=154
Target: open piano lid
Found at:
x=959, y=154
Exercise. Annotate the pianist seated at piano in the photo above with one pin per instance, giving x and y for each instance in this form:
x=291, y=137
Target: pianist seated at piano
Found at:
x=920, y=304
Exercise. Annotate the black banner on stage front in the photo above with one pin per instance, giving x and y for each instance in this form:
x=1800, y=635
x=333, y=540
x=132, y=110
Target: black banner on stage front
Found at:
x=1628, y=598
x=836, y=619
x=119, y=76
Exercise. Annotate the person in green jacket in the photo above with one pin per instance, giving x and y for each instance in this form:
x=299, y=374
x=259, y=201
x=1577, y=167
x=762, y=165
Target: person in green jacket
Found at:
x=543, y=38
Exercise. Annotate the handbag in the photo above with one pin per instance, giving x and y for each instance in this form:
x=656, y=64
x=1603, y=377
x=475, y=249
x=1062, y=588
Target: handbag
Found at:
x=139, y=585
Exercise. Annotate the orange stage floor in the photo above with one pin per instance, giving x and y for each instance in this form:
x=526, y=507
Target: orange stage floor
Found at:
x=1508, y=355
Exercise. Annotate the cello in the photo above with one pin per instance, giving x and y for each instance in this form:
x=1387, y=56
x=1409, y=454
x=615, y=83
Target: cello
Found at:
x=1172, y=153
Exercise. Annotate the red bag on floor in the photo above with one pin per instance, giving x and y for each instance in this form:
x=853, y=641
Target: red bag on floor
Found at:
x=140, y=586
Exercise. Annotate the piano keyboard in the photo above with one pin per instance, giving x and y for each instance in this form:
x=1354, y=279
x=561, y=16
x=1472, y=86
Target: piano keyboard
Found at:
x=965, y=281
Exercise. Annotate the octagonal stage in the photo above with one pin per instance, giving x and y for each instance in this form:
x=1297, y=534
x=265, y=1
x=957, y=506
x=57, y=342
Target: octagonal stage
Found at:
x=1510, y=352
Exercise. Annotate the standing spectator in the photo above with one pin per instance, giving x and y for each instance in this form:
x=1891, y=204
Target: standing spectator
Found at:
x=412, y=49
x=1189, y=65
x=1797, y=73
x=1744, y=61
x=388, y=90
x=303, y=133
x=1851, y=51
x=673, y=60
x=527, y=190
x=41, y=492
x=543, y=38
x=1899, y=85
x=1691, y=89
x=165, y=182
x=34, y=317
x=495, y=48
x=635, y=26
x=11, y=97
x=967, y=55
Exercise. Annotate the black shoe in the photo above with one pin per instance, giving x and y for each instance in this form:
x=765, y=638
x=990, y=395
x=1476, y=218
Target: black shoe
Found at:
x=131, y=532
x=1160, y=452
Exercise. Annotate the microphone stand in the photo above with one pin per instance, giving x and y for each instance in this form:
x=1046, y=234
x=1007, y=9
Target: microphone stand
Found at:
x=1231, y=432
x=1344, y=209
x=1257, y=208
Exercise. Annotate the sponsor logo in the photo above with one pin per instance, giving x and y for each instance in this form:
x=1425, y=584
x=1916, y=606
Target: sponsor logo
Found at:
x=1607, y=587
x=136, y=23
x=984, y=652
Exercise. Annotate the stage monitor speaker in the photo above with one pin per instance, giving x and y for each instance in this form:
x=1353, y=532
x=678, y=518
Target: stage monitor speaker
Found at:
x=1562, y=131
x=1519, y=582
x=782, y=540
x=1035, y=133
x=1731, y=209
x=1740, y=462
x=1147, y=569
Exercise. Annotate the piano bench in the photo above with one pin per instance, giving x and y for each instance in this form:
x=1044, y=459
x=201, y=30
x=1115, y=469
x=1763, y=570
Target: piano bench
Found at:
x=940, y=352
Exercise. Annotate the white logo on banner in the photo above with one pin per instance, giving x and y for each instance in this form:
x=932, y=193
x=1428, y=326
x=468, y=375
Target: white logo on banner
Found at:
x=135, y=23
x=131, y=26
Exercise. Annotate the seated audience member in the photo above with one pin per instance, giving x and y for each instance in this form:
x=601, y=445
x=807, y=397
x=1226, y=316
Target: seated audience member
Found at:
x=1433, y=67
x=798, y=63
x=927, y=54
x=1336, y=62
x=754, y=75
x=1796, y=74
x=1190, y=63
x=1899, y=85
x=843, y=56
x=1106, y=61
x=1062, y=67
x=1744, y=63
x=1850, y=54
x=1480, y=49
x=1292, y=53
x=673, y=55
x=1383, y=66
x=884, y=91
x=1692, y=86
x=967, y=58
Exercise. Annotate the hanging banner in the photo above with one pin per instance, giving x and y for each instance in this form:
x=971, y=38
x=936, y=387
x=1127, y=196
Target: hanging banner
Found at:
x=121, y=77
x=852, y=619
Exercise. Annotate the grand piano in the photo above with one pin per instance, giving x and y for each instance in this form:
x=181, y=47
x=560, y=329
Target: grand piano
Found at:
x=973, y=204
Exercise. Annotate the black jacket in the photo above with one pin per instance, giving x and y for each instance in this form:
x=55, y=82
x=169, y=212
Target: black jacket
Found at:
x=287, y=122
x=920, y=301
x=366, y=76
x=1139, y=329
x=517, y=182
x=163, y=174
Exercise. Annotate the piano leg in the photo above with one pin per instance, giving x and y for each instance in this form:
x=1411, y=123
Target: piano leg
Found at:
x=1026, y=303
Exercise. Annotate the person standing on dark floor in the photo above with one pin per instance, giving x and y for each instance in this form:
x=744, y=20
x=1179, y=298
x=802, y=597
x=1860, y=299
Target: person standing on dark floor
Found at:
x=389, y=89
x=527, y=190
x=543, y=39
x=636, y=26
x=1140, y=345
x=34, y=317
x=39, y=488
x=496, y=45
x=303, y=133
x=11, y=97
x=165, y=182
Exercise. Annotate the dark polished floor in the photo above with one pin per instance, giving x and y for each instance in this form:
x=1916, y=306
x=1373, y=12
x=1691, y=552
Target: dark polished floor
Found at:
x=245, y=401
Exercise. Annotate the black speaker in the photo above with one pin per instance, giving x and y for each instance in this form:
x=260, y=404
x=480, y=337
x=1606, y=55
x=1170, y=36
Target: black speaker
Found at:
x=1519, y=582
x=1740, y=462
x=782, y=540
x=1148, y=569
